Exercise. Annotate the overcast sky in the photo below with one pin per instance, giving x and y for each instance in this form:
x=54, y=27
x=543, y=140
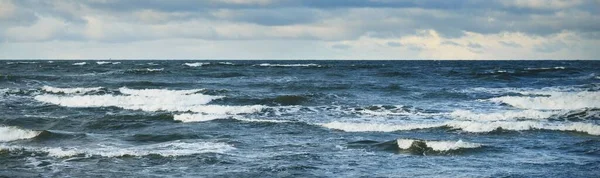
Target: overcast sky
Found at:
x=300, y=29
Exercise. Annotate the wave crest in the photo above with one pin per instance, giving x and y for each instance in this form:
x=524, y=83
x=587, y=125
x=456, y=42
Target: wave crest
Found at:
x=10, y=133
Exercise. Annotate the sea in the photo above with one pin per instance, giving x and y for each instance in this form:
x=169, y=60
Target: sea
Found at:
x=299, y=118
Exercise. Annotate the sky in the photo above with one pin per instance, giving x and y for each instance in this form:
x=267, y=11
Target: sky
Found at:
x=300, y=29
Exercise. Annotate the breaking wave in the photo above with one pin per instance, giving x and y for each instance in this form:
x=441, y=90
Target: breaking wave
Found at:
x=469, y=126
x=553, y=100
x=287, y=65
x=10, y=133
x=196, y=64
x=168, y=149
x=423, y=146
x=506, y=115
x=79, y=63
x=210, y=117
x=146, y=100
x=377, y=127
x=106, y=62
x=78, y=90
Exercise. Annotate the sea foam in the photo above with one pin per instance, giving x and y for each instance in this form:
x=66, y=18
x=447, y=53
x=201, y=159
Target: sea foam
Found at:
x=505, y=115
x=438, y=145
x=554, y=101
x=77, y=90
x=167, y=149
x=10, y=133
x=147, y=100
x=196, y=64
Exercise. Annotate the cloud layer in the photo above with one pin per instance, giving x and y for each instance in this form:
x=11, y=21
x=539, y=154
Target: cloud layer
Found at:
x=300, y=29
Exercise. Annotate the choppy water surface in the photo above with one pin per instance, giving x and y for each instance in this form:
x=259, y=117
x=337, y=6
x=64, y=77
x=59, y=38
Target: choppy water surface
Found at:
x=300, y=118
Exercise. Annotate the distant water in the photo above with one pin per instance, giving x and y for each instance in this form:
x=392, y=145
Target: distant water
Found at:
x=300, y=118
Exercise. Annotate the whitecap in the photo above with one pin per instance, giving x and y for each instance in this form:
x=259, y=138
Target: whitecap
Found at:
x=377, y=127
x=106, y=62
x=506, y=115
x=168, y=149
x=78, y=90
x=555, y=101
x=209, y=117
x=438, y=145
x=10, y=133
x=146, y=100
x=479, y=127
x=196, y=64
x=288, y=65
x=79, y=63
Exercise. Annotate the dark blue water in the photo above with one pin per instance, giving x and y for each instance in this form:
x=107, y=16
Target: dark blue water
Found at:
x=299, y=118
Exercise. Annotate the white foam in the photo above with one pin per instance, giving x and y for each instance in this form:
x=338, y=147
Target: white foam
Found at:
x=555, y=100
x=79, y=63
x=196, y=64
x=288, y=65
x=198, y=117
x=147, y=100
x=438, y=145
x=106, y=62
x=506, y=115
x=157, y=92
x=209, y=117
x=547, y=68
x=9, y=133
x=226, y=63
x=376, y=127
x=468, y=126
x=77, y=90
x=150, y=70
x=478, y=127
x=176, y=148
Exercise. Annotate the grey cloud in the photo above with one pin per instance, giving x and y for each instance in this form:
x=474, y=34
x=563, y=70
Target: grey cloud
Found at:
x=341, y=46
x=550, y=47
x=394, y=44
x=474, y=45
x=510, y=44
x=451, y=43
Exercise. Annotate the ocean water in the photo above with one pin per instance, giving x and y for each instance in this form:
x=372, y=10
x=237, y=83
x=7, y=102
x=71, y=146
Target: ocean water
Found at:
x=299, y=118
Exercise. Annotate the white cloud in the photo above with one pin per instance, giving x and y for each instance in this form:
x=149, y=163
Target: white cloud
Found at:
x=542, y=4
x=7, y=9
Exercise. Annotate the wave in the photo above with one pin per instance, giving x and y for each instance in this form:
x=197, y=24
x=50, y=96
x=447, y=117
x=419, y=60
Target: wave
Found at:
x=287, y=65
x=543, y=69
x=468, y=126
x=482, y=127
x=21, y=62
x=106, y=62
x=554, y=101
x=507, y=115
x=10, y=133
x=145, y=71
x=146, y=100
x=79, y=63
x=196, y=64
x=423, y=146
x=377, y=127
x=210, y=117
x=77, y=90
x=168, y=149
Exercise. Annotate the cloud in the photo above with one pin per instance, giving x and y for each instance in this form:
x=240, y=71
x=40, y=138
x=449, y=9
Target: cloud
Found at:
x=394, y=44
x=341, y=46
x=510, y=44
x=375, y=28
